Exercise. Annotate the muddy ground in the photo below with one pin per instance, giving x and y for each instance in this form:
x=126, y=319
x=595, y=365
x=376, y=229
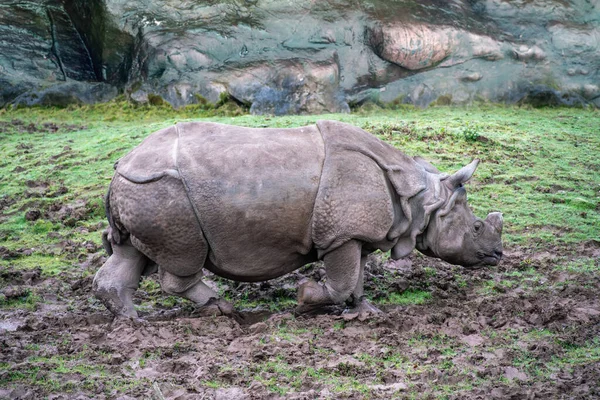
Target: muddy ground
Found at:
x=526, y=329
x=477, y=337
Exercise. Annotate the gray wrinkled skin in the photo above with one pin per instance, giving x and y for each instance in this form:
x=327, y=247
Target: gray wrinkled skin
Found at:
x=255, y=204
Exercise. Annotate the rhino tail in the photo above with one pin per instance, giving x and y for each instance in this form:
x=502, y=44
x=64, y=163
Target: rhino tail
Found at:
x=106, y=242
x=112, y=235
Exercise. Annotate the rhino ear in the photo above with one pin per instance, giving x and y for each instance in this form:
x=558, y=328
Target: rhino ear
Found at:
x=426, y=164
x=406, y=182
x=459, y=195
x=463, y=174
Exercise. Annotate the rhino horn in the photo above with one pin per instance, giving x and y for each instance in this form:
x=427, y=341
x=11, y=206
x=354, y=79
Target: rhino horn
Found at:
x=463, y=174
x=495, y=219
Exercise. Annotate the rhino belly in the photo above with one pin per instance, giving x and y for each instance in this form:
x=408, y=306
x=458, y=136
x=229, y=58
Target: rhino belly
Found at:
x=254, y=191
x=276, y=264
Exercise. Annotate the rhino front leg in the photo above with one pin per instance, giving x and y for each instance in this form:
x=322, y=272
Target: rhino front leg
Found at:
x=357, y=301
x=193, y=289
x=342, y=266
x=118, y=278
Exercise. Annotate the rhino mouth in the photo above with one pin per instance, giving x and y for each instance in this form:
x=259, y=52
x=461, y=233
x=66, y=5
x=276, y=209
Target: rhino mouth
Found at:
x=487, y=259
x=491, y=259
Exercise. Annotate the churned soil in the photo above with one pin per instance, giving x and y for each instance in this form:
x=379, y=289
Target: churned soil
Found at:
x=522, y=330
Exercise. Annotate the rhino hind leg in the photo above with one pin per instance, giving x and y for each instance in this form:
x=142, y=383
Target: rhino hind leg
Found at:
x=343, y=267
x=193, y=289
x=118, y=278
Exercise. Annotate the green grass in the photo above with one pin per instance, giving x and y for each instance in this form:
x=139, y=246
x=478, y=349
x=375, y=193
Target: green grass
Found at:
x=65, y=374
x=407, y=297
x=281, y=377
x=584, y=265
x=588, y=353
x=539, y=167
x=27, y=301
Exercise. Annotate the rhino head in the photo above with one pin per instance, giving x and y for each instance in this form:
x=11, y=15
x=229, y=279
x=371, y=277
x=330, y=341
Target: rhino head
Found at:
x=455, y=234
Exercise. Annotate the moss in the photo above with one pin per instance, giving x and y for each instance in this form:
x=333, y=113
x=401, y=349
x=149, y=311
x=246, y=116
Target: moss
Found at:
x=155, y=100
x=444, y=100
x=368, y=107
x=224, y=98
x=397, y=103
x=227, y=105
x=203, y=102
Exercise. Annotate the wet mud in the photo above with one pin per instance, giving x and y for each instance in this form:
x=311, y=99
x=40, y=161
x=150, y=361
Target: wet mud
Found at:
x=480, y=335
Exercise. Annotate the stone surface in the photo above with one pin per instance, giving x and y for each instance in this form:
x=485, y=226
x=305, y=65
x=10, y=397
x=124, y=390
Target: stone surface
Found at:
x=300, y=57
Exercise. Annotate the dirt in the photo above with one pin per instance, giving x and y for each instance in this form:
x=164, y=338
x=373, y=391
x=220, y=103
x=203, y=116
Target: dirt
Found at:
x=20, y=126
x=479, y=345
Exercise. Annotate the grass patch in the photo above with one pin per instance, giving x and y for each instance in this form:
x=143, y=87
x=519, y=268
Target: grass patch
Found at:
x=270, y=304
x=583, y=265
x=27, y=300
x=64, y=374
x=574, y=355
x=411, y=296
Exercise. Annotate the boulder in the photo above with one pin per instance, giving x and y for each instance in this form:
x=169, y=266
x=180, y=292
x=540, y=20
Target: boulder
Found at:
x=414, y=46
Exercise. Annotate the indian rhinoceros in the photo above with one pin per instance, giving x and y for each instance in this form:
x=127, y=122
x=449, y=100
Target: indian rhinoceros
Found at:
x=254, y=204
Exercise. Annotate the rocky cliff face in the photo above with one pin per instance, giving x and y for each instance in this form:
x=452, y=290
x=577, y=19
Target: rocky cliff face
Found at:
x=301, y=56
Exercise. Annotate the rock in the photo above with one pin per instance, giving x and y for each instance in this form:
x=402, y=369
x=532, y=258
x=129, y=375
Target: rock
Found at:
x=64, y=94
x=574, y=40
x=511, y=373
x=472, y=77
x=289, y=88
x=541, y=96
x=524, y=53
x=51, y=48
x=413, y=47
x=275, y=58
x=139, y=97
x=590, y=91
x=231, y=393
x=473, y=340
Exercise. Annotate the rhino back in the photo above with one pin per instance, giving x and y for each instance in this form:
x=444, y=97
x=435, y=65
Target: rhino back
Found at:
x=152, y=159
x=254, y=191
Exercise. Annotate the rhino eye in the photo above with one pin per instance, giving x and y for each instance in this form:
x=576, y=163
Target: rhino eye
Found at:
x=477, y=226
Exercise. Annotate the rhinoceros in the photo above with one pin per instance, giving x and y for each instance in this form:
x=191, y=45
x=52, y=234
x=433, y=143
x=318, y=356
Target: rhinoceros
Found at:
x=253, y=204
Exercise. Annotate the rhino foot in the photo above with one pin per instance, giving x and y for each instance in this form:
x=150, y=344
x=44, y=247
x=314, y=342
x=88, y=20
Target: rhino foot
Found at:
x=117, y=301
x=362, y=310
x=314, y=299
x=214, y=307
x=311, y=294
x=118, y=278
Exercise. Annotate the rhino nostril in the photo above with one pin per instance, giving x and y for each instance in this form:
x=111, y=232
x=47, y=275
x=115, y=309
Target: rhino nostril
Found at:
x=498, y=253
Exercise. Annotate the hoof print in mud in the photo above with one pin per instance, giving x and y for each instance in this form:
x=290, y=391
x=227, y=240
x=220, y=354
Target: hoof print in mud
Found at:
x=255, y=204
